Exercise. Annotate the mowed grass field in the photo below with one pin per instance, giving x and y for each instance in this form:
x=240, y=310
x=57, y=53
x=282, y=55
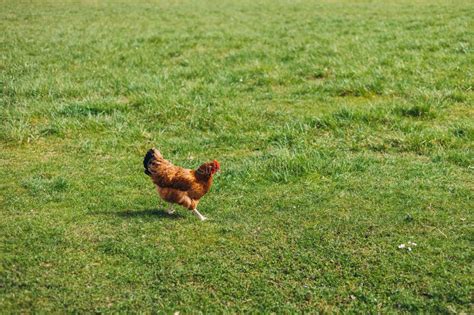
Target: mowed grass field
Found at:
x=343, y=129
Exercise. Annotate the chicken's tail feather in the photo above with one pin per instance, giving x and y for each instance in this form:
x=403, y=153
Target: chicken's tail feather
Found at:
x=152, y=155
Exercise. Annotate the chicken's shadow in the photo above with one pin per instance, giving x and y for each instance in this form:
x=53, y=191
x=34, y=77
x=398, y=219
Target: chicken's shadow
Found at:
x=157, y=213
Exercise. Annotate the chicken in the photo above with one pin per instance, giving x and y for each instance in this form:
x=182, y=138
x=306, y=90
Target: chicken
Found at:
x=178, y=185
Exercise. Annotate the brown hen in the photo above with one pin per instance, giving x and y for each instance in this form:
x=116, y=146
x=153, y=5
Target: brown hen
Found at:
x=178, y=185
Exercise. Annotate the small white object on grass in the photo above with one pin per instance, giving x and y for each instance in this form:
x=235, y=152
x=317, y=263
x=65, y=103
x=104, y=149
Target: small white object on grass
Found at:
x=409, y=247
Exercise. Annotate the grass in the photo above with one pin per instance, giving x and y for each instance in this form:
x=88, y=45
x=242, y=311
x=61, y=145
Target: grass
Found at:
x=343, y=130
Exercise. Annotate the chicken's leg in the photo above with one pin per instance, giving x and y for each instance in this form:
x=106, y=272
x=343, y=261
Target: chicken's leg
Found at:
x=200, y=216
x=171, y=209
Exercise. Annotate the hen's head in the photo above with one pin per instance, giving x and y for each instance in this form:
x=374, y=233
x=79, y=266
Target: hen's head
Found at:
x=215, y=166
x=209, y=168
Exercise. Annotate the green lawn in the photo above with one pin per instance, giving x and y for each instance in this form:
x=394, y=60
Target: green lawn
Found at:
x=343, y=129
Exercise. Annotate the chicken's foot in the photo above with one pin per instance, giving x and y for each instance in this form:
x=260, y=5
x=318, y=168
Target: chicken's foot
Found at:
x=170, y=210
x=199, y=215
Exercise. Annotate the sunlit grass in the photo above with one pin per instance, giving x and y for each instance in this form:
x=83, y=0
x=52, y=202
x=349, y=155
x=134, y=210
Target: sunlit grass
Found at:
x=343, y=130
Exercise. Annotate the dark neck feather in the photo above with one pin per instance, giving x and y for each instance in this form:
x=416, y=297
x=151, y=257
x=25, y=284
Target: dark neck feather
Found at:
x=204, y=172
